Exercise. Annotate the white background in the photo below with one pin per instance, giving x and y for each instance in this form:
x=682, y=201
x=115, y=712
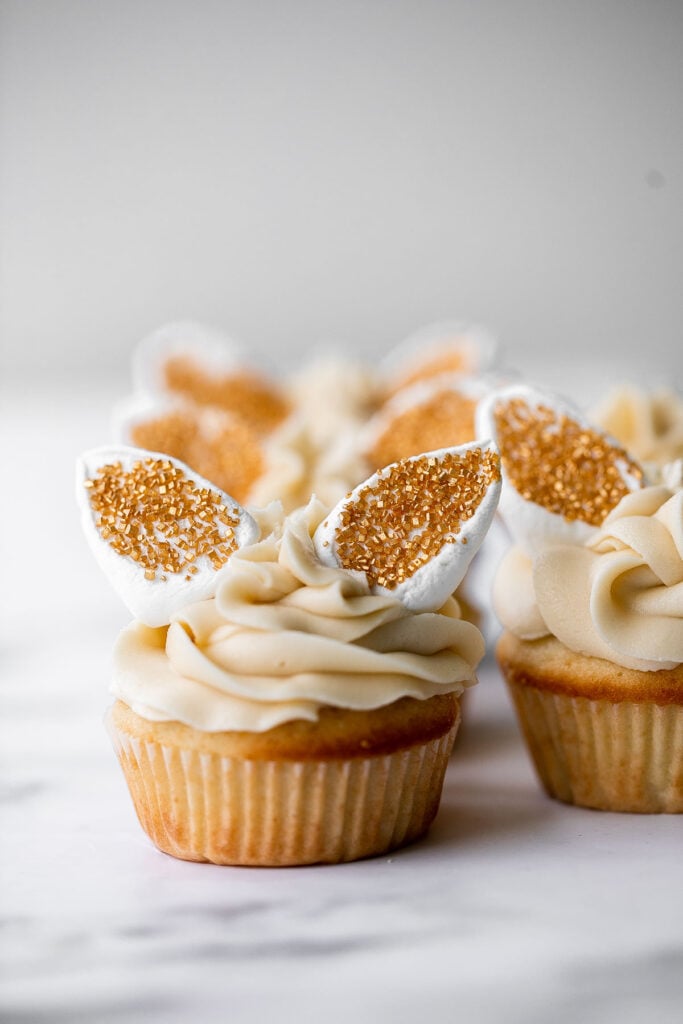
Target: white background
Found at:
x=300, y=172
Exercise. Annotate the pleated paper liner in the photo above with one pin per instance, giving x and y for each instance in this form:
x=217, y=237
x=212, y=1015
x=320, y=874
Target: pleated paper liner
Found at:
x=612, y=756
x=201, y=806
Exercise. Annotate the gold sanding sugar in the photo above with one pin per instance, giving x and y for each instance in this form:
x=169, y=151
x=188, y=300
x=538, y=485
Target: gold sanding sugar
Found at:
x=261, y=406
x=444, y=420
x=230, y=457
x=553, y=461
x=154, y=514
x=393, y=528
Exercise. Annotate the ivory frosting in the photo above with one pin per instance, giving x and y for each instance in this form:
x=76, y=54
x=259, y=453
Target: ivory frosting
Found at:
x=619, y=596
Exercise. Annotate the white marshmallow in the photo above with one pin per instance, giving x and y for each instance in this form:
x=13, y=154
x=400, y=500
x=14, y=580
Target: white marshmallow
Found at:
x=416, y=395
x=477, y=345
x=429, y=587
x=207, y=346
x=141, y=408
x=532, y=526
x=153, y=602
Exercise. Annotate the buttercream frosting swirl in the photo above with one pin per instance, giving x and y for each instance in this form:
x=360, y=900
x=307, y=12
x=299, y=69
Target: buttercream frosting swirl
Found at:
x=284, y=636
x=649, y=424
x=316, y=451
x=619, y=596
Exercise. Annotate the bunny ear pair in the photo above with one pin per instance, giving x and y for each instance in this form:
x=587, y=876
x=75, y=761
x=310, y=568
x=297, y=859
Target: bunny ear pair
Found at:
x=161, y=532
x=561, y=476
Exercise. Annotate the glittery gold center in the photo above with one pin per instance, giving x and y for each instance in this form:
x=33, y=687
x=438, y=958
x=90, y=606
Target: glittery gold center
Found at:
x=566, y=468
x=394, y=527
x=261, y=406
x=444, y=420
x=154, y=514
x=229, y=456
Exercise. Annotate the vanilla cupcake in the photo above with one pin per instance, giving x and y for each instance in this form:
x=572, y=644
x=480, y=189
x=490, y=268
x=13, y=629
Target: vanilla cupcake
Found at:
x=591, y=598
x=301, y=704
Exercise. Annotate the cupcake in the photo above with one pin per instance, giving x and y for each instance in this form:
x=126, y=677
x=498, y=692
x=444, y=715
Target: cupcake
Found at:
x=288, y=692
x=591, y=598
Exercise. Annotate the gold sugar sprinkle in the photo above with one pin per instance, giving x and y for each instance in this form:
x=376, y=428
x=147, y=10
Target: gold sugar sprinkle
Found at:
x=230, y=457
x=389, y=532
x=137, y=517
x=444, y=420
x=553, y=461
x=259, y=404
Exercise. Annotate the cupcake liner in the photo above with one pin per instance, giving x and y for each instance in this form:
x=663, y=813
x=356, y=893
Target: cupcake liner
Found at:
x=625, y=756
x=205, y=807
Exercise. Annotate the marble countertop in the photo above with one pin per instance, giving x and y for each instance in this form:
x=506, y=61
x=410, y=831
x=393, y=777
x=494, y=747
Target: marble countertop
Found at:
x=514, y=908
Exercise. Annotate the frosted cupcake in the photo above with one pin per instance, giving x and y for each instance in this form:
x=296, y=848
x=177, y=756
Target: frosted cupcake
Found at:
x=289, y=691
x=591, y=598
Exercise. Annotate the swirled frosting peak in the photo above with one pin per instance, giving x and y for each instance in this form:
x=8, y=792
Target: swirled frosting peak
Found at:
x=286, y=635
x=649, y=424
x=619, y=596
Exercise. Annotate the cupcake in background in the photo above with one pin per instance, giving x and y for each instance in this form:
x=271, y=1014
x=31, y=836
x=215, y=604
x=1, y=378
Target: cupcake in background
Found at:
x=591, y=598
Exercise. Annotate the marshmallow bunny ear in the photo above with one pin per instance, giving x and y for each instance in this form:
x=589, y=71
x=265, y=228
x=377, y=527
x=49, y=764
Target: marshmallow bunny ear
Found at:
x=203, y=365
x=561, y=476
x=156, y=357
x=414, y=527
x=159, y=531
x=216, y=444
x=430, y=415
x=448, y=347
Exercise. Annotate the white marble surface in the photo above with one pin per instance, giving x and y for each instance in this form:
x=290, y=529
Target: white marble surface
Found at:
x=514, y=908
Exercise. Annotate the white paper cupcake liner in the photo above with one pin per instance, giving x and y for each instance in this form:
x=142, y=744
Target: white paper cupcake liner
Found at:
x=204, y=807
x=624, y=756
